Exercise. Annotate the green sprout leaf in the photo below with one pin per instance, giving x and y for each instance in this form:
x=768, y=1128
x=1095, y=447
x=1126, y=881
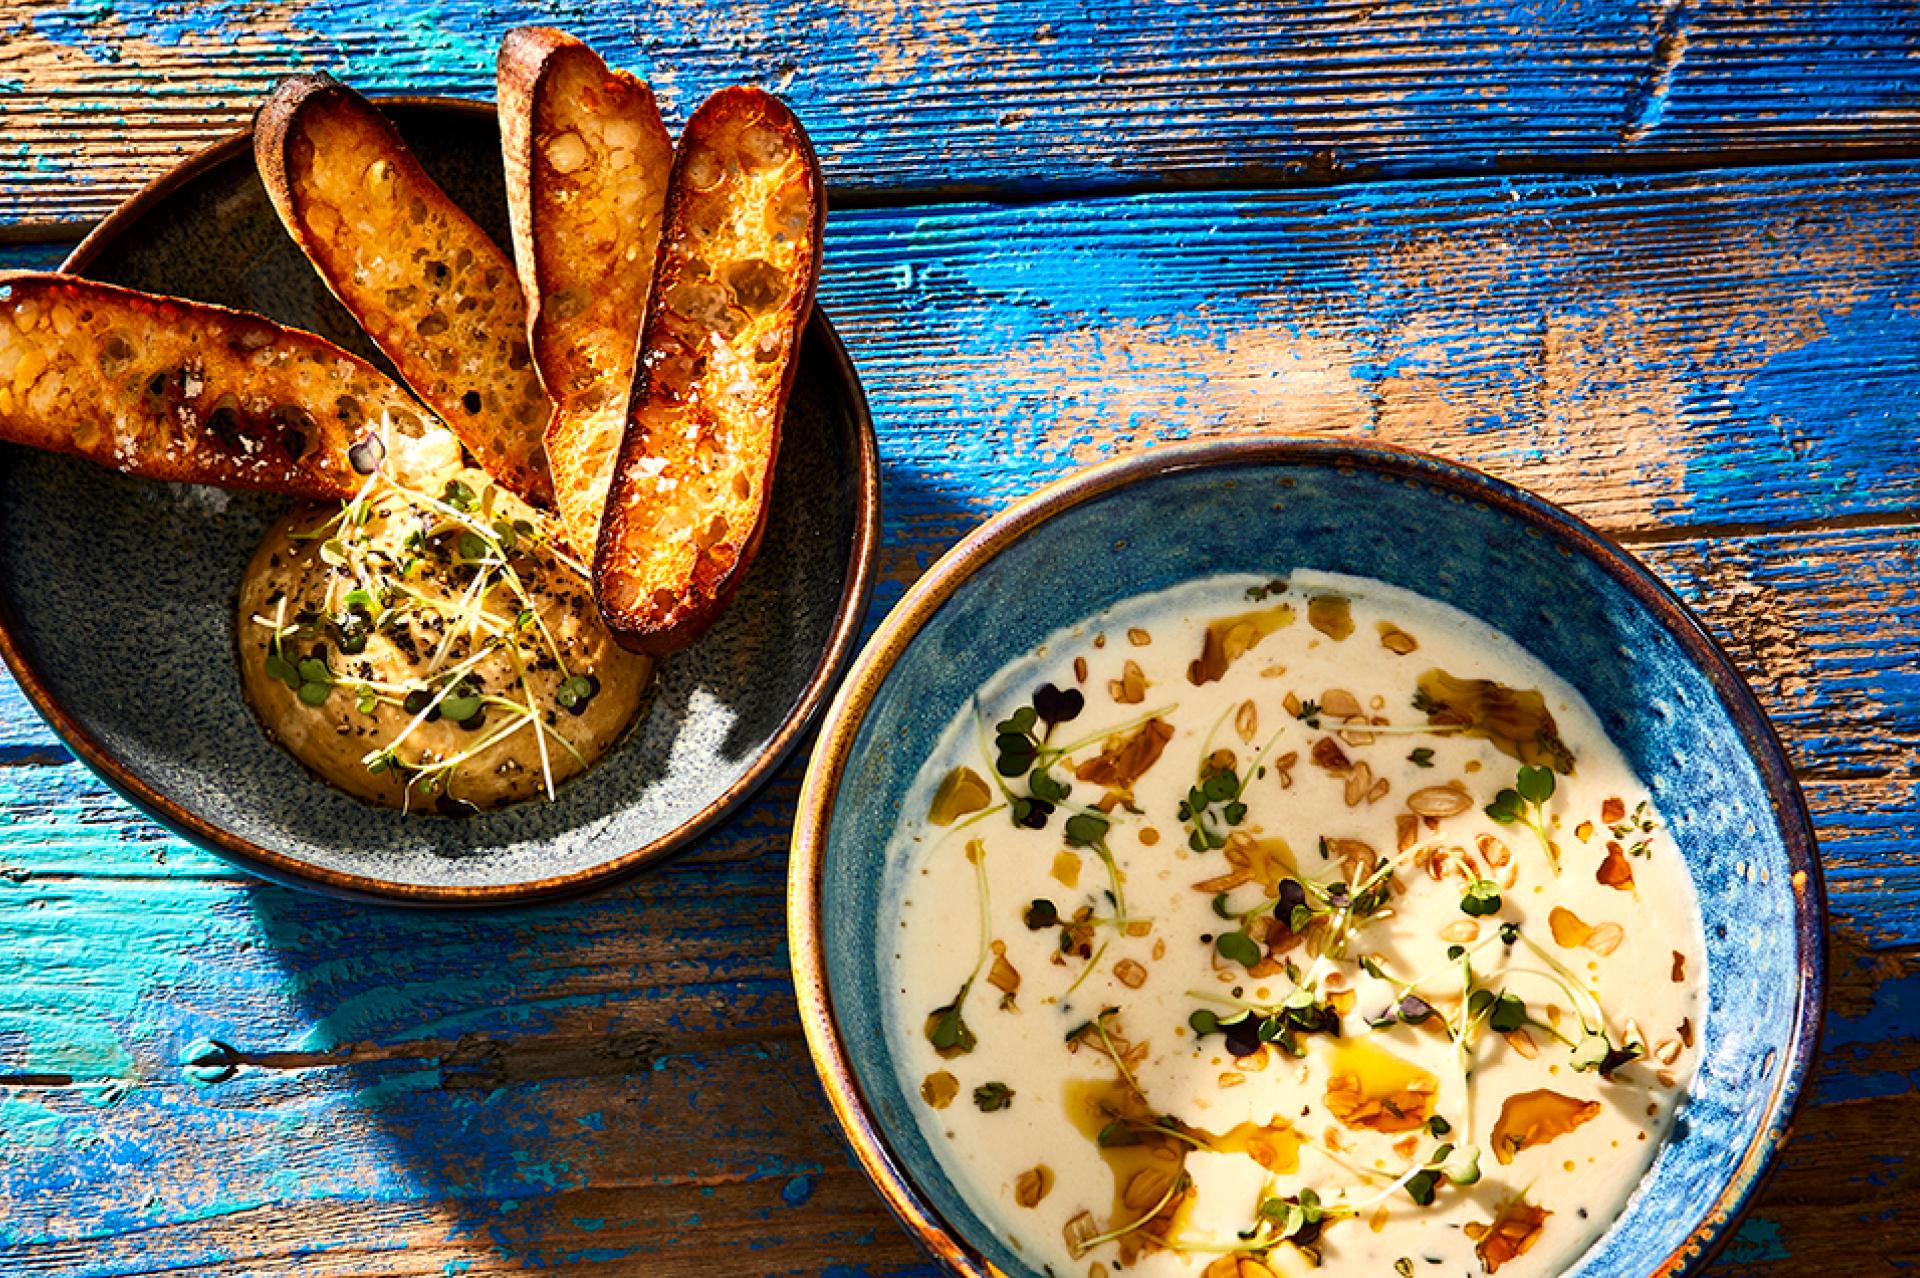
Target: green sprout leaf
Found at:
x=1483, y=897
x=1085, y=829
x=280, y=668
x=1238, y=947
x=1535, y=784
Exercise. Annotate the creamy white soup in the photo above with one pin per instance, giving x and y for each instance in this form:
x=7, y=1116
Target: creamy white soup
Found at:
x=1259, y=926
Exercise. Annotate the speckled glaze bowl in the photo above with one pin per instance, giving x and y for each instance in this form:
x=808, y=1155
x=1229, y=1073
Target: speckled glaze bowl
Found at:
x=1664, y=690
x=117, y=596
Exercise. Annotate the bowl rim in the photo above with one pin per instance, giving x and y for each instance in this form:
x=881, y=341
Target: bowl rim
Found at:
x=856, y=592
x=903, y=623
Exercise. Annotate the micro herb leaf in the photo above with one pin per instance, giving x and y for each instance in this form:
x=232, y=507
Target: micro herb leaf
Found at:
x=1421, y=757
x=1238, y=947
x=1085, y=829
x=1509, y=1014
x=1043, y=785
x=1483, y=897
x=280, y=668
x=1536, y=785
x=992, y=1097
x=947, y=1029
x=1056, y=705
x=1505, y=807
x=1040, y=915
x=1421, y=1186
x=458, y=495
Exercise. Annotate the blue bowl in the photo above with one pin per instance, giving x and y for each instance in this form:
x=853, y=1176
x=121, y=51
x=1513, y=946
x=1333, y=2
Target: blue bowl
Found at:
x=1663, y=689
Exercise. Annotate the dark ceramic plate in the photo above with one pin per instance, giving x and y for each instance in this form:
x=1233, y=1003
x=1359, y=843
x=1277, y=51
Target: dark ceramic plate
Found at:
x=117, y=595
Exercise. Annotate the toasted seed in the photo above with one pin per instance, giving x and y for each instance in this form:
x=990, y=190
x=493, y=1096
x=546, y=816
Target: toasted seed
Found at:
x=1396, y=640
x=1148, y=1186
x=1246, y=721
x=1033, y=1185
x=1359, y=781
x=1379, y=791
x=1440, y=800
x=1291, y=704
x=1667, y=1051
x=1328, y=754
x=1461, y=930
x=1078, y=1231
x=1406, y=829
x=1606, y=938
x=1522, y=1042
x=1130, y=974
x=1079, y=669
x=1493, y=851
x=1340, y=703
x=1138, y=637
x=1130, y=689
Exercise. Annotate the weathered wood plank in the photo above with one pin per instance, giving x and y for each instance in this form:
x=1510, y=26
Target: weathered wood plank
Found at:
x=978, y=94
x=1818, y=620
x=1718, y=349
x=486, y=1088
x=1731, y=348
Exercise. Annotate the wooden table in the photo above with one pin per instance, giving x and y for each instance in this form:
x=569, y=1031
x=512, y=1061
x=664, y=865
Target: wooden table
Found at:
x=1653, y=258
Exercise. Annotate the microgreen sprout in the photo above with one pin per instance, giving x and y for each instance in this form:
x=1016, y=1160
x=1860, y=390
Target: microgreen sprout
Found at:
x=946, y=1026
x=1096, y=1028
x=1482, y=898
x=1526, y=804
x=1174, y=1190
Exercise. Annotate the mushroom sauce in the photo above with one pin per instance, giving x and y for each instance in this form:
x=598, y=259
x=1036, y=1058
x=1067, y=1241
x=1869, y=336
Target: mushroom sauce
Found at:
x=1318, y=924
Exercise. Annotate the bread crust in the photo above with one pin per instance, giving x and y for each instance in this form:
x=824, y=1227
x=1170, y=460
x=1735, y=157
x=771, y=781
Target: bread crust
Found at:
x=587, y=159
x=436, y=295
x=733, y=288
x=170, y=389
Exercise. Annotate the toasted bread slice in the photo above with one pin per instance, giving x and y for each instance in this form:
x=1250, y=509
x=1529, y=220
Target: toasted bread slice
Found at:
x=169, y=389
x=587, y=160
x=732, y=291
x=436, y=295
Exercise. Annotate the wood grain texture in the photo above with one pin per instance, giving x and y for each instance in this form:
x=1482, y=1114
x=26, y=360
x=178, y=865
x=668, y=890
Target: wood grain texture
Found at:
x=203, y=1074
x=1703, y=349
x=620, y=1079
x=616, y=1077
x=1033, y=94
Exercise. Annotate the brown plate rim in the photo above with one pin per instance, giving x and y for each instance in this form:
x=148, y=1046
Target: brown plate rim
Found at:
x=279, y=867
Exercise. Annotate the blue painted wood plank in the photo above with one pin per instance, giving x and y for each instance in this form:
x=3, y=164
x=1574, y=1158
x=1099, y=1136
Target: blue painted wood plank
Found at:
x=1021, y=93
x=472, y=1088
